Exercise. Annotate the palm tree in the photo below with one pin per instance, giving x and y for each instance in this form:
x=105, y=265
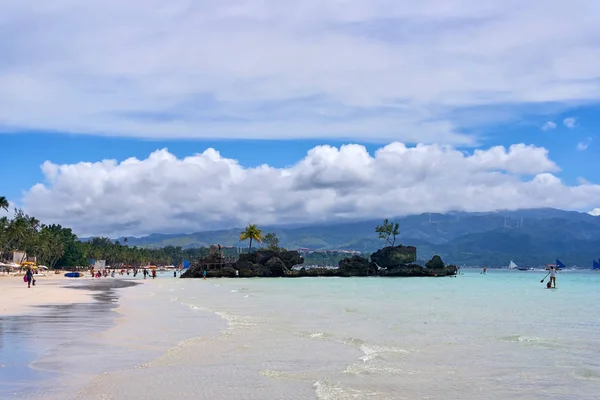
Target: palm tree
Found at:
x=253, y=233
x=4, y=203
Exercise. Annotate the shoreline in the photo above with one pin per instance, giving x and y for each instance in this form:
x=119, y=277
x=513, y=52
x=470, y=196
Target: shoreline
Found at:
x=52, y=290
x=62, y=348
x=49, y=290
x=43, y=325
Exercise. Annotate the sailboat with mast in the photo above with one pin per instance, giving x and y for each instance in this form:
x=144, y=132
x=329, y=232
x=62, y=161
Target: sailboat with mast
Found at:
x=512, y=265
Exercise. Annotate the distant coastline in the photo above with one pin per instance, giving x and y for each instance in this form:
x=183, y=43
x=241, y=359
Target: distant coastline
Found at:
x=529, y=237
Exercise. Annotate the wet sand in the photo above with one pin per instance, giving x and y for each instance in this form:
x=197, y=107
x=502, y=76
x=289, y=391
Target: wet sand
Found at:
x=50, y=289
x=55, y=316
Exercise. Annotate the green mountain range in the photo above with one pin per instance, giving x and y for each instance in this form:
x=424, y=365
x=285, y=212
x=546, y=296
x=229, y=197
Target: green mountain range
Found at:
x=531, y=237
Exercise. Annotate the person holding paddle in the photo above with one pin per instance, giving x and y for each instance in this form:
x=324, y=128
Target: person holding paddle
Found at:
x=552, y=273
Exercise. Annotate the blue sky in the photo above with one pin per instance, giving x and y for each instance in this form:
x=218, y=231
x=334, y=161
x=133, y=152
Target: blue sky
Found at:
x=25, y=152
x=428, y=89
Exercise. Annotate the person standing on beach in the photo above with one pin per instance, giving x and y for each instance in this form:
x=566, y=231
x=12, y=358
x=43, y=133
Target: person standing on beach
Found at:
x=29, y=277
x=204, y=274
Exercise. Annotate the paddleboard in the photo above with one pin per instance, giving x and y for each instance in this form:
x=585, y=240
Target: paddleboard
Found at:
x=73, y=274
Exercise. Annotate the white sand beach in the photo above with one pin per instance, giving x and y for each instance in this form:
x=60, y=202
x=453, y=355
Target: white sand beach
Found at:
x=49, y=289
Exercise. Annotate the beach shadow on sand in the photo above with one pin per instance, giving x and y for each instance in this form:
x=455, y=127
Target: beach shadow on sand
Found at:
x=46, y=330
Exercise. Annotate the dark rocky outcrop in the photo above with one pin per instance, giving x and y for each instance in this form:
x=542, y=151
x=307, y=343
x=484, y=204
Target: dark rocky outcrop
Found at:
x=389, y=261
x=356, y=266
x=435, y=263
x=393, y=256
x=260, y=263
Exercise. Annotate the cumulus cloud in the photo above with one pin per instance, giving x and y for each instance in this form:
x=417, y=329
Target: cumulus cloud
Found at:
x=389, y=69
x=163, y=193
x=595, y=212
x=570, y=122
x=583, y=145
x=548, y=126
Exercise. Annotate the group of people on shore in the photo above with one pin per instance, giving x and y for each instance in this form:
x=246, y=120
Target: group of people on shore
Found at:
x=106, y=273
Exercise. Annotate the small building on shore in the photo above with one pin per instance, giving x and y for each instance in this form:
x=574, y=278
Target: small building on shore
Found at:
x=18, y=257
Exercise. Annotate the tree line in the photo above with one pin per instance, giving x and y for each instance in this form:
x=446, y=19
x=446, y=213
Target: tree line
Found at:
x=58, y=247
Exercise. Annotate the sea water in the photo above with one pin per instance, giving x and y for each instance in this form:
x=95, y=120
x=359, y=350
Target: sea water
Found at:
x=499, y=335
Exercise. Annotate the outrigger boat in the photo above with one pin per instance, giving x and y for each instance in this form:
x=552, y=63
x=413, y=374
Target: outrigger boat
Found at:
x=512, y=265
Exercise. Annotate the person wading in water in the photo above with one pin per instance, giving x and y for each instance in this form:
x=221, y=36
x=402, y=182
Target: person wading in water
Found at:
x=552, y=281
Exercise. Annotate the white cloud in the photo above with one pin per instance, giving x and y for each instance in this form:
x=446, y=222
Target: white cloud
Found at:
x=548, y=126
x=583, y=145
x=570, y=122
x=595, y=212
x=165, y=194
x=582, y=181
x=389, y=69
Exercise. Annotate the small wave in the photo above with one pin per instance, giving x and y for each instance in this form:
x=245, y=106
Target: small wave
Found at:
x=370, y=369
x=353, y=342
x=372, y=352
x=329, y=391
x=529, y=339
x=522, y=338
x=279, y=375
x=314, y=335
x=195, y=307
x=236, y=321
x=234, y=291
x=535, y=341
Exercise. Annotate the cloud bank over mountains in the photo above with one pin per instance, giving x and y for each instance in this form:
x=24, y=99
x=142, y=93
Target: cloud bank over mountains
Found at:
x=165, y=194
x=418, y=72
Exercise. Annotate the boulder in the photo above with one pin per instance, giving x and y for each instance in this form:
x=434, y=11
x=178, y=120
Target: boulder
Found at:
x=435, y=263
x=276, y=267
x=390, y=257
x=406, y=271
x=356, y=266
x=291, y=258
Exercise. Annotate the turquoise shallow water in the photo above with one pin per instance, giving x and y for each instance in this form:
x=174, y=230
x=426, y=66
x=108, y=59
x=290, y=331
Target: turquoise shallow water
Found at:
x=496, y=336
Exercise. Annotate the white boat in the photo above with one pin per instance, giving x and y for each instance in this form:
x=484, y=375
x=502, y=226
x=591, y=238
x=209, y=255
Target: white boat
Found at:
x=512, y=265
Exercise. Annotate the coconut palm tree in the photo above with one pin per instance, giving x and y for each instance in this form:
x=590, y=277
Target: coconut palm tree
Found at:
x=4, y=203
x=251, y=233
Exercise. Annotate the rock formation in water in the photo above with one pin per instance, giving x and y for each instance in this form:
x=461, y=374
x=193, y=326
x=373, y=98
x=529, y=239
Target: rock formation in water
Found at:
x=260, y=263
x=389, y=261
